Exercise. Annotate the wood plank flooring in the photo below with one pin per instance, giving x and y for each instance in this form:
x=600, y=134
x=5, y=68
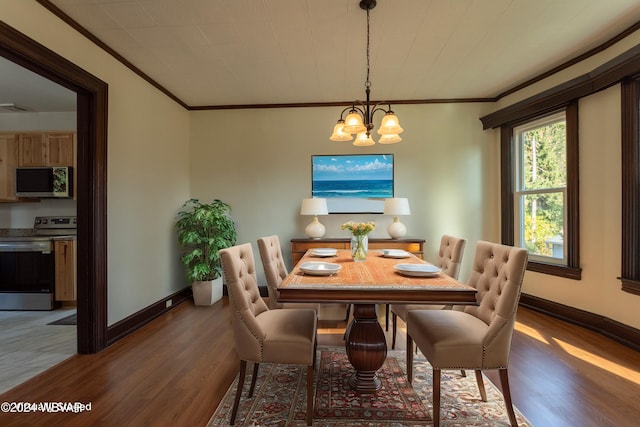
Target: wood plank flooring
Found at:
x=29, y=345
x=175, y=370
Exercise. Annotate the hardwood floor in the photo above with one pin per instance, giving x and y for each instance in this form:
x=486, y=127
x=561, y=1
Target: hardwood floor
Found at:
x=175, y=370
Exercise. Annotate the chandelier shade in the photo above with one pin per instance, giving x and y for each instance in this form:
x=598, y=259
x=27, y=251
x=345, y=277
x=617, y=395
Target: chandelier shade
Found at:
x=338, y=134
x=389, y=139
x=363, y=139
x=390, y=125
x=353, y=123
x=359, y=120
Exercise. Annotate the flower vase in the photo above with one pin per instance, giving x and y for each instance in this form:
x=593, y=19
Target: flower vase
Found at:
x=359, y=247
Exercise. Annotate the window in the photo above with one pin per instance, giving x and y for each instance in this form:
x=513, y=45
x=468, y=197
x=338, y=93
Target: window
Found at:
x=541, y=188
x=539, y=180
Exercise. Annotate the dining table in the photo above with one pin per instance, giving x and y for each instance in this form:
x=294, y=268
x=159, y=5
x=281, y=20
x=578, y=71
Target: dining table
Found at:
x=379, y=279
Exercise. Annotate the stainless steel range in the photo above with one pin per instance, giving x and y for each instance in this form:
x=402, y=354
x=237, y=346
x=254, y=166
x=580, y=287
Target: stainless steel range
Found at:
x=27, y=263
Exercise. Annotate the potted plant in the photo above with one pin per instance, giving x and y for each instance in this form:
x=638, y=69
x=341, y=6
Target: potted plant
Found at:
x=204, y=229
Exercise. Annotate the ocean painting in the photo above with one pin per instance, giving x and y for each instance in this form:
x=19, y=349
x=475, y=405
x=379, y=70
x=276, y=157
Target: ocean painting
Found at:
x=349, y=181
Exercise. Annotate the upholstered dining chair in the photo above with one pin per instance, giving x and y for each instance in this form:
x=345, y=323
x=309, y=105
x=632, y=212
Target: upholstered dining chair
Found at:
x=275, y=272
x=449, y=260
x=479, y=337
x=263, y=335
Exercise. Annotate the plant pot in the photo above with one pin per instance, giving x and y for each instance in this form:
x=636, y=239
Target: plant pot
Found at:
x=206, y=293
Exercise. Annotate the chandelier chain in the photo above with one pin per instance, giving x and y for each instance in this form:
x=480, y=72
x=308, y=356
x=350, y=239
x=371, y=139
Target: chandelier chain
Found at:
x=359, y=120
x=367, y=83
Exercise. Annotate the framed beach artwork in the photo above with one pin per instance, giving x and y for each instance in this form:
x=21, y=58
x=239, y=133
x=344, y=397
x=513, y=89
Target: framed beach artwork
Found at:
x=353, y=183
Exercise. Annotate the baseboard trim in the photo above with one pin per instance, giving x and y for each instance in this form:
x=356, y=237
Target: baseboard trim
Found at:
x=140, y=318
x=617, y=331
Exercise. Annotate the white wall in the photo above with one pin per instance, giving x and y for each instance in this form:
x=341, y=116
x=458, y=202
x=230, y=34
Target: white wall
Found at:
x=148, y=165
x=446, y=165
x=37, y=121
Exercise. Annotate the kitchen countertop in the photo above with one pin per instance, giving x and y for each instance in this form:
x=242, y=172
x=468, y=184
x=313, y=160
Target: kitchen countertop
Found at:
x=16, y=232
x=25, y=233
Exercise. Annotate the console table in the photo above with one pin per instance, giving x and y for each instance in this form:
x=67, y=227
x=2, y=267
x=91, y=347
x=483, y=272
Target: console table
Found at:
x=300, y=246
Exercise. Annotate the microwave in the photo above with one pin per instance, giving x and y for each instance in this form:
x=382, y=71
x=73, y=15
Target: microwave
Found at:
x=44, y=182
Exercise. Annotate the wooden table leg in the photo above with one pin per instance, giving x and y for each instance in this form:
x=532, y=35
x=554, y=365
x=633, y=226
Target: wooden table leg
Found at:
x=366, y=347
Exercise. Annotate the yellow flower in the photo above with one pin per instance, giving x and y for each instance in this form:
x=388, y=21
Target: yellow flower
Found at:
x=360, y=228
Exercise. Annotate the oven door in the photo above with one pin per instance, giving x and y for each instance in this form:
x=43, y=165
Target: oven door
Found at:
x=27, y=276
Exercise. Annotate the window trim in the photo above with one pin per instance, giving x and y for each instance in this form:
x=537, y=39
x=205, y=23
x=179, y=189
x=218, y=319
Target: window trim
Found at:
x=508, y=152
x=630, y=170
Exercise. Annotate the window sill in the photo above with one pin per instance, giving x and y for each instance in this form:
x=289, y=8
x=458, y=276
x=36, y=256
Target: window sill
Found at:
x=574, y=273
x=631, y=286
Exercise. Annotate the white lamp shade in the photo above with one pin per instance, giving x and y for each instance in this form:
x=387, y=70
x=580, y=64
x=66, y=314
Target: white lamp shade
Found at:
x=397, y=206
x=314, y=206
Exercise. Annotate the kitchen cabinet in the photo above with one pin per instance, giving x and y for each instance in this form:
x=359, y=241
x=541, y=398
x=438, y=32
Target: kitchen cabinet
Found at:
x=65, y=266
x=33, y=149
x=9, y=154
x=300, y=246
x=47, y=149
x=61, y=149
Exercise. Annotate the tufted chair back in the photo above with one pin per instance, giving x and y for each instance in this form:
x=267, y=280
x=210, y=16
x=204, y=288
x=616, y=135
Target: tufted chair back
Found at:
x=244, y=297
x=274, y=268
x=263, y=335
x=497, y=274
x=450, y=255
x=479, y=337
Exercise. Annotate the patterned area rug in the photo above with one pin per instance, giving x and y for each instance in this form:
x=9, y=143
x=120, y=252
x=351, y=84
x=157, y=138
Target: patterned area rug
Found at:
x=335, y=400
x=280, y=397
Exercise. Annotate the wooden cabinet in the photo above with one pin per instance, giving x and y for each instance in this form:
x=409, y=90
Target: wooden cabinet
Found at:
x=47, y=149
x=65, y=266
x=300, y=246
x=9, y=154
x=33, y=149
x=61, y=149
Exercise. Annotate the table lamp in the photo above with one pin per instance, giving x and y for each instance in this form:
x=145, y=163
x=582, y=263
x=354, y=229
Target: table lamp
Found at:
x=397, y=206
x=315, y=207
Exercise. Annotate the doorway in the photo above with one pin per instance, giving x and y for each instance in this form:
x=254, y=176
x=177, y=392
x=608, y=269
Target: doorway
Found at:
x=92, y=178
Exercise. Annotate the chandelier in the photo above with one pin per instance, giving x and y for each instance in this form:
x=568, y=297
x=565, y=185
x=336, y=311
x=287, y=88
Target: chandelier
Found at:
x=359, y=120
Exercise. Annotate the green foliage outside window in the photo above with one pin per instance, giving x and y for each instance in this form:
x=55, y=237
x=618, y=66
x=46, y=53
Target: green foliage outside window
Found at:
x=543, y=183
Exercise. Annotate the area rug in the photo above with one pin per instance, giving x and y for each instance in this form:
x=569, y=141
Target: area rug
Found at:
x=280, y=397
x=69, y=320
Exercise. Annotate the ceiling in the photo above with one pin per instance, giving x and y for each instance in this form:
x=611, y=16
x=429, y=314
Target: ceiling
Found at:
x=247, y=52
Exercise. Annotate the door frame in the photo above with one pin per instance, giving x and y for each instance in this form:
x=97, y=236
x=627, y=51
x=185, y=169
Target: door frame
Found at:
x=92, y=99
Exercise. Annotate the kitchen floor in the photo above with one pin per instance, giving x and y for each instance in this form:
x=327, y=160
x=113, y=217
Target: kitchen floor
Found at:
x=29, y=346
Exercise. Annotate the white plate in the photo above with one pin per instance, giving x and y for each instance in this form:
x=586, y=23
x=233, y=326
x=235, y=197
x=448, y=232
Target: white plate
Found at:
x=324, y=252
x=420, y=270
x=320, y=268
x=395, y=253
